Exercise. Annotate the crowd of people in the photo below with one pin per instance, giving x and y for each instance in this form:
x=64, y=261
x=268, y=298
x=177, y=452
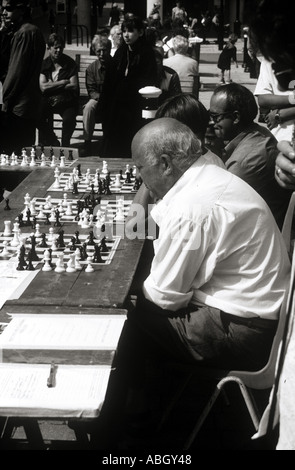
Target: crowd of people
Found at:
x=220, y=266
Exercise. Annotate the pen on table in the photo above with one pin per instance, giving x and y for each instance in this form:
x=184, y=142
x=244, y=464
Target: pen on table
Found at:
x=52, y=374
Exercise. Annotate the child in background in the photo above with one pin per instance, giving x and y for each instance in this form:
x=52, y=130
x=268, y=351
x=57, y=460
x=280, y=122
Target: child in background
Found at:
x=228, y=54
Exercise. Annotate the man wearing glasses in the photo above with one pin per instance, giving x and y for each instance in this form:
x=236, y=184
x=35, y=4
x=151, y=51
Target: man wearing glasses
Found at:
x=250, y=149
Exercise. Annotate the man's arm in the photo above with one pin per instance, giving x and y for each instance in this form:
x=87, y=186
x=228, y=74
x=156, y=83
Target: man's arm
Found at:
x=285, y=165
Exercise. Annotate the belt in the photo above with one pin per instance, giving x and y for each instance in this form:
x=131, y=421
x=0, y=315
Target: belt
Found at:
x=252, y=322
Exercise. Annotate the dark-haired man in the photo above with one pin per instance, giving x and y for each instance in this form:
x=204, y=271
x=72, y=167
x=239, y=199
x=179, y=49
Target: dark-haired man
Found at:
x=250, y=149
x=21, y=91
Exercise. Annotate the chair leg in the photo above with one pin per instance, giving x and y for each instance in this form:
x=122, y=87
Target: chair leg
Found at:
x=249, y=401
x=181, y=387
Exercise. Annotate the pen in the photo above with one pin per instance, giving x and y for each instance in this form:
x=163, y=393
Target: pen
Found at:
x=52, y=374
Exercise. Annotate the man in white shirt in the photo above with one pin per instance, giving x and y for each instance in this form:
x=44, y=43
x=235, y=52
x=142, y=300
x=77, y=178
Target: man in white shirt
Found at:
x=219, y=271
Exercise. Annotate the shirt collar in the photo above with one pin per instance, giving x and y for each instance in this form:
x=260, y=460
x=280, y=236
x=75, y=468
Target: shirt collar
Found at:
x=232, y=145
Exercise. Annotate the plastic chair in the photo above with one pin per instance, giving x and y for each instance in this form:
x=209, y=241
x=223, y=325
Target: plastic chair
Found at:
x=259, y=380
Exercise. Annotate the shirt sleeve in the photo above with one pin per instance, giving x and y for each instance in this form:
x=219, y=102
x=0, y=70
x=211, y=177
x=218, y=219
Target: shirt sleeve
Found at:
x=179, y=253
x=263, y=85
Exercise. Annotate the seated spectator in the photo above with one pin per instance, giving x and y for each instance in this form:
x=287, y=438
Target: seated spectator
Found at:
x=115, y=15
x=95, y=74
x=218, y=244
x=116, y=38
x=250, y=149
x=187, y=109
x=186, y=67
x=59, y=84
x=168, y=79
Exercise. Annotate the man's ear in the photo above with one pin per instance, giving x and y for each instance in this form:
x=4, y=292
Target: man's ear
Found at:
x=166, y=165
x=237, y=117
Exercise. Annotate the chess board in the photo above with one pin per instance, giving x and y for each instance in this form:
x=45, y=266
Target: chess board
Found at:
x=88, y=183
x=6, y=161
x=12, y=251
x=109, y=208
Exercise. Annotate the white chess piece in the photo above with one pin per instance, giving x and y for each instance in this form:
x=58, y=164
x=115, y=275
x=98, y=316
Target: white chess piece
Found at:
x=43, y=159
x=78, y=265
x=16, y=231
x=41, y=214
x=5, y=251
x=33, y=161
x=50, y=234
x=54, y=246
x=117, y=183
x=60, y=268
x=7, y=228
x=46, y=259
x=56, y=184
x=71, y=264
x=65, y=200
x=89, y=267
x=69, y=210
x=38, y=233
x=32, y=208
x=62, y=161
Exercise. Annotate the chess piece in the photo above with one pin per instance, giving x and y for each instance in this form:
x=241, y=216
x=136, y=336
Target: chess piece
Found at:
x=89, y=267
x=47, y=261
x=60, y=268
x=30, y=266
x=78, y=265
x=71, y=264
x=5, y=252
x=7, y=208
x=33, y=253
x=7, y=228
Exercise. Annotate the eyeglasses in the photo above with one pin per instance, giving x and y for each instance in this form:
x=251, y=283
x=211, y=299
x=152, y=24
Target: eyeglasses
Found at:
x=217, y=117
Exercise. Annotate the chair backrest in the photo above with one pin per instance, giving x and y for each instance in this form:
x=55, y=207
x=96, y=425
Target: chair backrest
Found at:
x=264, y=378
x=288, y=223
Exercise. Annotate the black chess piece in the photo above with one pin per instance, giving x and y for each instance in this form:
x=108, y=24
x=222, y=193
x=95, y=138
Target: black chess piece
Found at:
x=43, y=243
x=7, y=208
x=28, y=221
x=97, y=256
x=61, y=153
x=30, y=266
x=77, y=239
x=21, y=259
x=60, y=239
x=70, y=156
x=33, y=253
x=103, y=245
x=75, y=188
x=79, y=170
x=90, y=239
x=47, y=221
x=83, y=251
x=57, y=221
x=72, y=245
x=127, y=177
x=20, y=220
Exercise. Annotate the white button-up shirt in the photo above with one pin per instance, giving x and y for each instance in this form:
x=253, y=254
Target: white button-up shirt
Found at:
x=218, y=245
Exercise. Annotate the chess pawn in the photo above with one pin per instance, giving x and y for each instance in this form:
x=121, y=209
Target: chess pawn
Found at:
x=7, y=228
x=41, y=214
x=53, y=161
x=69, y=209
x=54, y=246
x=52, y=215
x=117, y=183
x=43, y=159
x=89, y=267
x=56, y=184
x=33, y=161
x=78, y=265
x=5, y=252
x=62, y=161
x=32, y=208
x=50, y=234
x=16, y=238
x=48, y=204
x=60, y=268
x=71, y=264
x=65, y=200
x=46, y=259
x=38, y=233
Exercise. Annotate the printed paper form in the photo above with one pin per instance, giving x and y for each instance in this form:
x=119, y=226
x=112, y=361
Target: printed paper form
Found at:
x=63, y=331
x=13, y=282
x=79, y=390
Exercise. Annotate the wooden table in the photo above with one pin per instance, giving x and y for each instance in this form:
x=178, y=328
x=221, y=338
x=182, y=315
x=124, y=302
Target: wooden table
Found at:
x=107, y=287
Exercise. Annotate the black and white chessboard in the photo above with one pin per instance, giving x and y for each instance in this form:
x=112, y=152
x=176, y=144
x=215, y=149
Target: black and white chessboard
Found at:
x=112, y=210
x=9, y=251
x=87, y=183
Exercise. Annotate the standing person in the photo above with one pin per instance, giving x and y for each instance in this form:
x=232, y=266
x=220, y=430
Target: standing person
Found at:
x=59, y=84
x=218, y=243
x=227, y=55
x=21, y=93
x=179, y=12
x=132, y=68
x=250, y=149
x=114, y=15
x=95, y=75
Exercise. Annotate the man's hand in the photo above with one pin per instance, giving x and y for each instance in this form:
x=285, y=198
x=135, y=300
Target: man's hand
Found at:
x=270, y=120
x=285, y=166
